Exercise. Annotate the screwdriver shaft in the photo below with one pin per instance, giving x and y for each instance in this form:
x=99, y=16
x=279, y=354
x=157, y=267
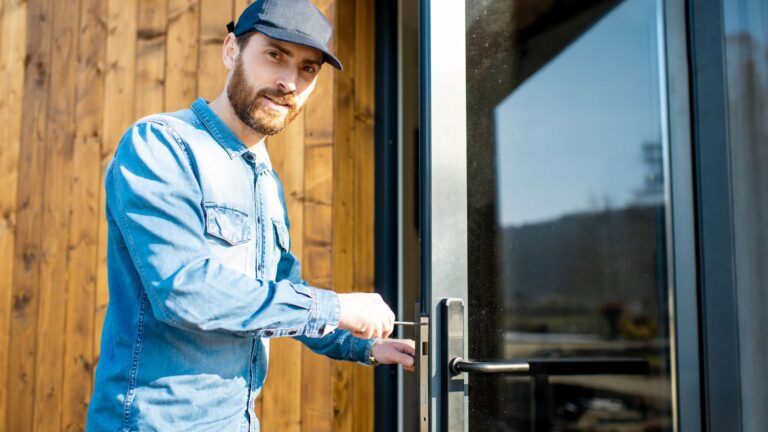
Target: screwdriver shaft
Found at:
x=406, y=323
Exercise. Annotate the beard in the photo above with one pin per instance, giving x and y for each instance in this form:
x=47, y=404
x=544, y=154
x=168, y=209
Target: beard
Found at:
x=251, y=109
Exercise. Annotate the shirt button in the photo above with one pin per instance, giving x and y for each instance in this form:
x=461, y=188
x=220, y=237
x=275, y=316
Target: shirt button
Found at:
x=249, y=157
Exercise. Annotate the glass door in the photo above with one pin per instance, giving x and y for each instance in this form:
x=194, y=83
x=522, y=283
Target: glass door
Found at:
x=549, y=249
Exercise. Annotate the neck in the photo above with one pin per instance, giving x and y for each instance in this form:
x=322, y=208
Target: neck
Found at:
x=226, y=113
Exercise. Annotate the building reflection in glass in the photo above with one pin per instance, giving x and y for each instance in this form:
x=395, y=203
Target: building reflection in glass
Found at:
x=567, y=212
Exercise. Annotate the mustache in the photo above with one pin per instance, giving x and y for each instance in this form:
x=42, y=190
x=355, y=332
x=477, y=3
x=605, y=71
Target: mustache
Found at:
x=281, y=97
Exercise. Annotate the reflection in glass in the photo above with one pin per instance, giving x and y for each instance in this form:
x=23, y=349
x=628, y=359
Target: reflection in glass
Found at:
x=567, y=239
x=746, y=48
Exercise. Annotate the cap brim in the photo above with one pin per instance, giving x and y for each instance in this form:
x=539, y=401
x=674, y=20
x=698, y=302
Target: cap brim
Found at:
x=298, y=38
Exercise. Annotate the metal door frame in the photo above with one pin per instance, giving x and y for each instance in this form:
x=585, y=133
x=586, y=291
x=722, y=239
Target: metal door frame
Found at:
x=443, y=172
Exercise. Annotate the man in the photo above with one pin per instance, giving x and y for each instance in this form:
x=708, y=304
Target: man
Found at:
x=200, y=270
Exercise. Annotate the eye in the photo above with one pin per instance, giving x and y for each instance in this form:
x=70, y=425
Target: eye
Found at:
x=310, y=68
x=274, y=54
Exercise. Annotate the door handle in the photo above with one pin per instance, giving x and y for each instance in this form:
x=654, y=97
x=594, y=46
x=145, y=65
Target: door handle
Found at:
x=552, y=367
x=451, y=365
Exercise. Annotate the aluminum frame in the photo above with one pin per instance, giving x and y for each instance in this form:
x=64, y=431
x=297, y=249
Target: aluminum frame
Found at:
x=443, y=172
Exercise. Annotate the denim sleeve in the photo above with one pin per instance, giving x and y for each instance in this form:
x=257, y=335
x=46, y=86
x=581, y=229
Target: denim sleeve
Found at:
x=340, y=345
x=156, y=201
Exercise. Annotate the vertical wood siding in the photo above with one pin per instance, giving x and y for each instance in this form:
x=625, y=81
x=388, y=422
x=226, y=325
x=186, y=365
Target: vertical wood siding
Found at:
x=75, y=75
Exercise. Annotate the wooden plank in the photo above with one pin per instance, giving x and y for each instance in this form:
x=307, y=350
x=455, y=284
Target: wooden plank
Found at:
x=286, y=151
x=84, y=203
x=344, y=153
x=281, y=397
x=319, y=185
x=13, y=21
x=344, y=221
x=364, y=146
x=343, y=396
x=60, y=133
x=27, y=254
x=152, y=19
x=363, y=404
x=211, y=73
x=364, y=191
x=317, y=402
x=118, y=86
x=181, y=54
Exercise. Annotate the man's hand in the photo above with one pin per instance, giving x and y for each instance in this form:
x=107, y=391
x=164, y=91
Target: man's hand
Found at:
x=365, y=315
x=395, y=351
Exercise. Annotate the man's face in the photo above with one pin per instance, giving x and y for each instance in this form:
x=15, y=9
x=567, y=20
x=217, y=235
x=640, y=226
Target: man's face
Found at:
x=270, y=82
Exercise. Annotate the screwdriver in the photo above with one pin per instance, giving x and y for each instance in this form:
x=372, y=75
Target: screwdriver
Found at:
x=406, y=323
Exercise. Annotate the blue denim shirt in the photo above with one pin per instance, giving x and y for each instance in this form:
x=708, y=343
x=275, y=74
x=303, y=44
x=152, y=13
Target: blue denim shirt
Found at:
x=200, y=278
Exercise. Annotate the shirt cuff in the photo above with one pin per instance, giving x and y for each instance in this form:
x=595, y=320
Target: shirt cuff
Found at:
x=363, y=351
x=324, y=314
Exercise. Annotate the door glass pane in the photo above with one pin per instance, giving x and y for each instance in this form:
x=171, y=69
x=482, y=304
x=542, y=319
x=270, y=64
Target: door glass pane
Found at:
x=567, y=209
x=746, y=49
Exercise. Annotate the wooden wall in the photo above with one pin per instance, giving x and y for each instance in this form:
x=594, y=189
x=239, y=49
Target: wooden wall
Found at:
x=74, y=76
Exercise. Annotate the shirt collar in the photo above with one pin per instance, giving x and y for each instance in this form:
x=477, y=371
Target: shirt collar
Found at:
x=262, y=155
x=220, y=131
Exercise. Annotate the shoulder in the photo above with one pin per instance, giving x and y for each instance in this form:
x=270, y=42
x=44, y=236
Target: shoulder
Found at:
x=157, y=139
x=158, y=131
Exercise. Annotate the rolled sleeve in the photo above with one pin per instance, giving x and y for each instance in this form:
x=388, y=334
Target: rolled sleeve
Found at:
x=325, y=313
x=341, y=345
x=366, y=347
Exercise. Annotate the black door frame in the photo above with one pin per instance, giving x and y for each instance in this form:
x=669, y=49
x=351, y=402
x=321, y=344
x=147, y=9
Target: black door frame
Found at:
x=386, y=196
x=720, y=369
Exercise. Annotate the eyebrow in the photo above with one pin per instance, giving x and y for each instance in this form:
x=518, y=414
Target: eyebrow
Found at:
x=289, y=53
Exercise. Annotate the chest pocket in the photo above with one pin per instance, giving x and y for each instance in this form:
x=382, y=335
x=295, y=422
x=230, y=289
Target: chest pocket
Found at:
x=227, y=224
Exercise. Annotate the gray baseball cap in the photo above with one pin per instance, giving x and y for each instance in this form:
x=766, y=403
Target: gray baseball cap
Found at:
x=296, y=21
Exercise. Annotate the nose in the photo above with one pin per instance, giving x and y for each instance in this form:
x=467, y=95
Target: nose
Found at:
x=287, y=80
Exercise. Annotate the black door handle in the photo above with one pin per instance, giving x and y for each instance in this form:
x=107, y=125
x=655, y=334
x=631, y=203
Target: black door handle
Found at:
x=551, y=367
x=454, y=386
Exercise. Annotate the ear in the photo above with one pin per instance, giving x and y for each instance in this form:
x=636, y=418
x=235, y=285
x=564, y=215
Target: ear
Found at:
x=230, y=50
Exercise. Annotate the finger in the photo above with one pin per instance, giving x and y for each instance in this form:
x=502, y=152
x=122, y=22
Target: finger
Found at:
x=388, y=327
x=362, y=332
x=406, y=348
x=383, y=330
x=404, y=360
